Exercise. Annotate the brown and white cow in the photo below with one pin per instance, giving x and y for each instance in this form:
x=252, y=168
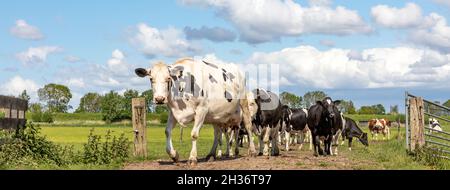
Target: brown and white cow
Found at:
x=200, y=92
x=382, y=126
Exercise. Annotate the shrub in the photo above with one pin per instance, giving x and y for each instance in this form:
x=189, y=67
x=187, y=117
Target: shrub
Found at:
x=27, y=148
x=2, y=115
x=97, y=152
x=163, y=117
x=47, y=117
x=36, y=112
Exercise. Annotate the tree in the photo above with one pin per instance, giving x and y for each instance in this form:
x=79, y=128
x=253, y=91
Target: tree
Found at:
x=373, y=109
x=148, y=95
x=90, y=102
x=112, y=107
x=128, y=96
x=310, y=98
x=56, y=96
x=380, y=109
x=367, y=110
x=24, y=95
x=394, y=109
x=292, y=100
x=447, y=103
x=347, y=107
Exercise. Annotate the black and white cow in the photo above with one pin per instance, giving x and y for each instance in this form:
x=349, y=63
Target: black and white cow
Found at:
x=351, y=130
x=295, y=122
x=324, y=121
x=201, y=92
x=233, y=130
x=268, y=120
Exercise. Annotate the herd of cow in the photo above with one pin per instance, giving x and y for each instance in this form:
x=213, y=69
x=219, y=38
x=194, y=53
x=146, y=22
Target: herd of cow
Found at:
x=216, y=94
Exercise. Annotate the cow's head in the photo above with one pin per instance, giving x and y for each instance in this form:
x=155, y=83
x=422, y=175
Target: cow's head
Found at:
x=161, y=81
x=286, y=117
x=363, y=139
x=330, y=107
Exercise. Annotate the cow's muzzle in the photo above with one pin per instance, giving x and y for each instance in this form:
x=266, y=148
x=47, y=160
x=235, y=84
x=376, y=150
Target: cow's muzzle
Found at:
x=160, y=100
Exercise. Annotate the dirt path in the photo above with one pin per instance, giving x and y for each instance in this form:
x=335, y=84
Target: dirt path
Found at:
x=292, y=160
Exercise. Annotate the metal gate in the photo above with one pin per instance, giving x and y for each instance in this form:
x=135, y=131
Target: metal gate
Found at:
x=419, y=132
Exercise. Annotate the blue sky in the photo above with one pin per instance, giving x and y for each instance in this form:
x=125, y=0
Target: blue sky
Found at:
x=350, y=49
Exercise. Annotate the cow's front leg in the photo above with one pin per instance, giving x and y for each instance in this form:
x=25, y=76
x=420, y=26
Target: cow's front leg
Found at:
x=328, y=143
x=266, y=141
x=228, y=134
x=275, y=136
x=288, y=139
x=236, y=145
x=200, y=114
x=350, y=143
x=217, y=139
x=248, y=125
x=171, y=122
x=316, y=142
x=261, y=142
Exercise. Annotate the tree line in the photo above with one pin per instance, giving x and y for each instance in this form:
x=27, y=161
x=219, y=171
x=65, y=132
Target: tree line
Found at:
x=113, y=106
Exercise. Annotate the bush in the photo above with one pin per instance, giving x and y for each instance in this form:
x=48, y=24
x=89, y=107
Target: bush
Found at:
x=96, y=152
x=26, y=148
x=163, y=117
x=2, y=115
x=47, y=117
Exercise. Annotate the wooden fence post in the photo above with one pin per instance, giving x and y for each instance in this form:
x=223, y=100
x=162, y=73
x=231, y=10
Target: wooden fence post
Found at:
x=416, y=122
x=139, y=126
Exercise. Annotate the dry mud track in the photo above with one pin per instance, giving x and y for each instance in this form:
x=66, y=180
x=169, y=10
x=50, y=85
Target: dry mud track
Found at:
x=292, y=160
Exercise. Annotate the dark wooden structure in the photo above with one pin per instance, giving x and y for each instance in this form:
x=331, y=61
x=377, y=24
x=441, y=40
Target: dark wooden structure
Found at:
x=14, y=110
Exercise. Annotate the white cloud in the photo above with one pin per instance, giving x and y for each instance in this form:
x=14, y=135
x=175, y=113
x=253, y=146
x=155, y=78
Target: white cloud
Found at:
x=76, y=82
x=72, y=59
x=430, y=31
x=17, y=84
x=169, y=42
x=117, y=64
x=37, y=54
x=437, y=36
x=371, y=68
x=320, y=2
x=114, y=74
x=25, y=31
x=391, y=17
x=263, y=21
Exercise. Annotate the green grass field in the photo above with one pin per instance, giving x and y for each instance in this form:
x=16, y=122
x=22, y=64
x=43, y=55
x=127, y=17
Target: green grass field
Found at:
x=156, y=140
x=73, y=130
x=379, y=155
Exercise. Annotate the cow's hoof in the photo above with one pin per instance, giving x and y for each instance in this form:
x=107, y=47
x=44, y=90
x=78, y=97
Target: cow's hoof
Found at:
x=260, y=154
x=210, y=158
x=192, y=162
x=316, y=155
x=177, y=156
x=275, y=153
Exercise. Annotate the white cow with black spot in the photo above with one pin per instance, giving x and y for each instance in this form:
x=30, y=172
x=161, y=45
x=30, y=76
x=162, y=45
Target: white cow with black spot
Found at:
x=200, y=92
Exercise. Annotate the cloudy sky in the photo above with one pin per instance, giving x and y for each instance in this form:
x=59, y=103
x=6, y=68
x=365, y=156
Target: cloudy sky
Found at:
x=367, y=51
